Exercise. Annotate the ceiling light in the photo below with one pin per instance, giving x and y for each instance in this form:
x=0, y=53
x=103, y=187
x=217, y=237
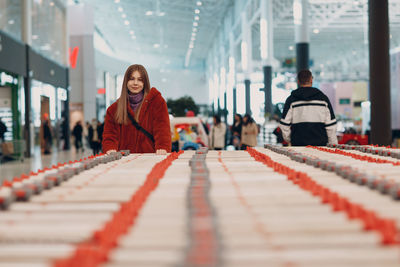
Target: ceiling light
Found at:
x=123, y=16
x=156, y=45
x=193, y=38
x=194, y=29
x=193, y=34
x=51, y=3
x=11, y=21
x=116, y=1
x=199, y=3
x=196, y=17
x=131, y=32
x=291, y=47
x=197, y=11
x=391, y=36
x=149, y=13
x=195, y=24
x=191, y=46
x=126, y=22
x=120, y=9
x=161, y=14
x=316, y=31
x=133, y=37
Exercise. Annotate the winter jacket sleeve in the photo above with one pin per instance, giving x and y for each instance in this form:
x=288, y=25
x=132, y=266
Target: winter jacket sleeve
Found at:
x=286, y=121
x=161, y=126
x=111, y=132
x=330, y=124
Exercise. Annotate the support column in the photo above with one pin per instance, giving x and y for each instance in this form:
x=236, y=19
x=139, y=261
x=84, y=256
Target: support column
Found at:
x=28, y=99
x=302, y=38
x=267, y=70
x=225, y=110
x=67, y=119
x=379, y=72
x=247, y=88
x=267, y=51
x=234, y=103
x=26, y=30
x=246, y=59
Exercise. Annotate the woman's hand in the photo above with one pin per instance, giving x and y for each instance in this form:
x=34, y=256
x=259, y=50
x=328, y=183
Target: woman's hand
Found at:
x=111, y=151
x=161, y=152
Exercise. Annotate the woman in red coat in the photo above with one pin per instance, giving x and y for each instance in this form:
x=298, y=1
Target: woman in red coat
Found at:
x=145, y=105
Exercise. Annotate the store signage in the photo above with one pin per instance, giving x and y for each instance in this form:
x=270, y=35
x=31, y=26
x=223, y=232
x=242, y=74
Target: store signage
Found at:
x=101, y=91
x=73, y=56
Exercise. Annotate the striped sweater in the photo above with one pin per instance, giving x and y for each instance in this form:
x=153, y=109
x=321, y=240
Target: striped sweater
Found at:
x=308, y=118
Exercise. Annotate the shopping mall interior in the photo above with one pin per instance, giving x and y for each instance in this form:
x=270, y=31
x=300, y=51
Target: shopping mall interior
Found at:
x=77, y=190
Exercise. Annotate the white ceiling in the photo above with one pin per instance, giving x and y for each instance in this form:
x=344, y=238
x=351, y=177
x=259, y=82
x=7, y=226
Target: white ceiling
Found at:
x=339, y=44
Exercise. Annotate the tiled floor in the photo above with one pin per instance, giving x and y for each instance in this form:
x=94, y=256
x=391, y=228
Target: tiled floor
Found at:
x=37, y=161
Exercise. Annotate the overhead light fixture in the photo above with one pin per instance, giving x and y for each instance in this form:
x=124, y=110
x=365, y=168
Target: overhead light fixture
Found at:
x=196, y=17
x=156, y=45
x=193, y=34
x=133, y=37
x=291, y=47
x=116, y=1
x=316, y=31
x=194, y=29
x=126, y=22
x=191, y=46
x=193, y=38
x=149, y=13
x=11, y=21
x=197, y=11
x=123, y=16
x=199, y=3
x=120, y=9
x=195, y=24
x=161, y=14
x=34, y=37
x=131, y=32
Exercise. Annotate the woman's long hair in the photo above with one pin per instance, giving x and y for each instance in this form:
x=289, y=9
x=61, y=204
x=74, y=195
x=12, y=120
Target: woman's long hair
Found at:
x=121, y=116
x=249, y=119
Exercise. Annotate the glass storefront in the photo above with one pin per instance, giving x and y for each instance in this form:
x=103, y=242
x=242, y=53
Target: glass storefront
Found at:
x=48, y=29
x=10, y=17
x=10, y=105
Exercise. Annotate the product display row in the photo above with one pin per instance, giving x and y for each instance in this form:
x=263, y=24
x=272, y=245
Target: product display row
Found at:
x=273, y=206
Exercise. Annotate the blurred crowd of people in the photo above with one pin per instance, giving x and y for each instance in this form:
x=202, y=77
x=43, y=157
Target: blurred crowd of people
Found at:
x=91, y=133
x=242, y=133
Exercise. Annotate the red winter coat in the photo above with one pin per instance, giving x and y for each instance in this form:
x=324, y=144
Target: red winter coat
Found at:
x=153, y=118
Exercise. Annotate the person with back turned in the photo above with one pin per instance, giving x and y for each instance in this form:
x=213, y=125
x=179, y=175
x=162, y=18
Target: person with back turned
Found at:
x=308, y=117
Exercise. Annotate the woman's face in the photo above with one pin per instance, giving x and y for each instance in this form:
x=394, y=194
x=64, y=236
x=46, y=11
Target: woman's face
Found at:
x=236, y=118
x=135, y=83
x=245, y=119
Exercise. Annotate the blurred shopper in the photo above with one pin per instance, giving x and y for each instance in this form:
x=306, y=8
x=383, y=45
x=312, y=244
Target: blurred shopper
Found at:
x=77, y=133
x=249, y=132
x=139, y=119
x=64, y=131
x=308, y=117
x=3, y=130
x=217, y=134
x=47, y=135
x=236, y=131
x=94, y=133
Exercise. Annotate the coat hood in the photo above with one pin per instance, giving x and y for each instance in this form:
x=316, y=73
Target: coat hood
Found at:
x=305, y=93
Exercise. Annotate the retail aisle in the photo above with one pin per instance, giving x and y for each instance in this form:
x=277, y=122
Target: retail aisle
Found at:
x=11, y=169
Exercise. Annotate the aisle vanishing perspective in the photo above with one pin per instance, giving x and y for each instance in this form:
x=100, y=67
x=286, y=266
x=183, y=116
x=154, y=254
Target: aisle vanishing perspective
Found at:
x=274, y=206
